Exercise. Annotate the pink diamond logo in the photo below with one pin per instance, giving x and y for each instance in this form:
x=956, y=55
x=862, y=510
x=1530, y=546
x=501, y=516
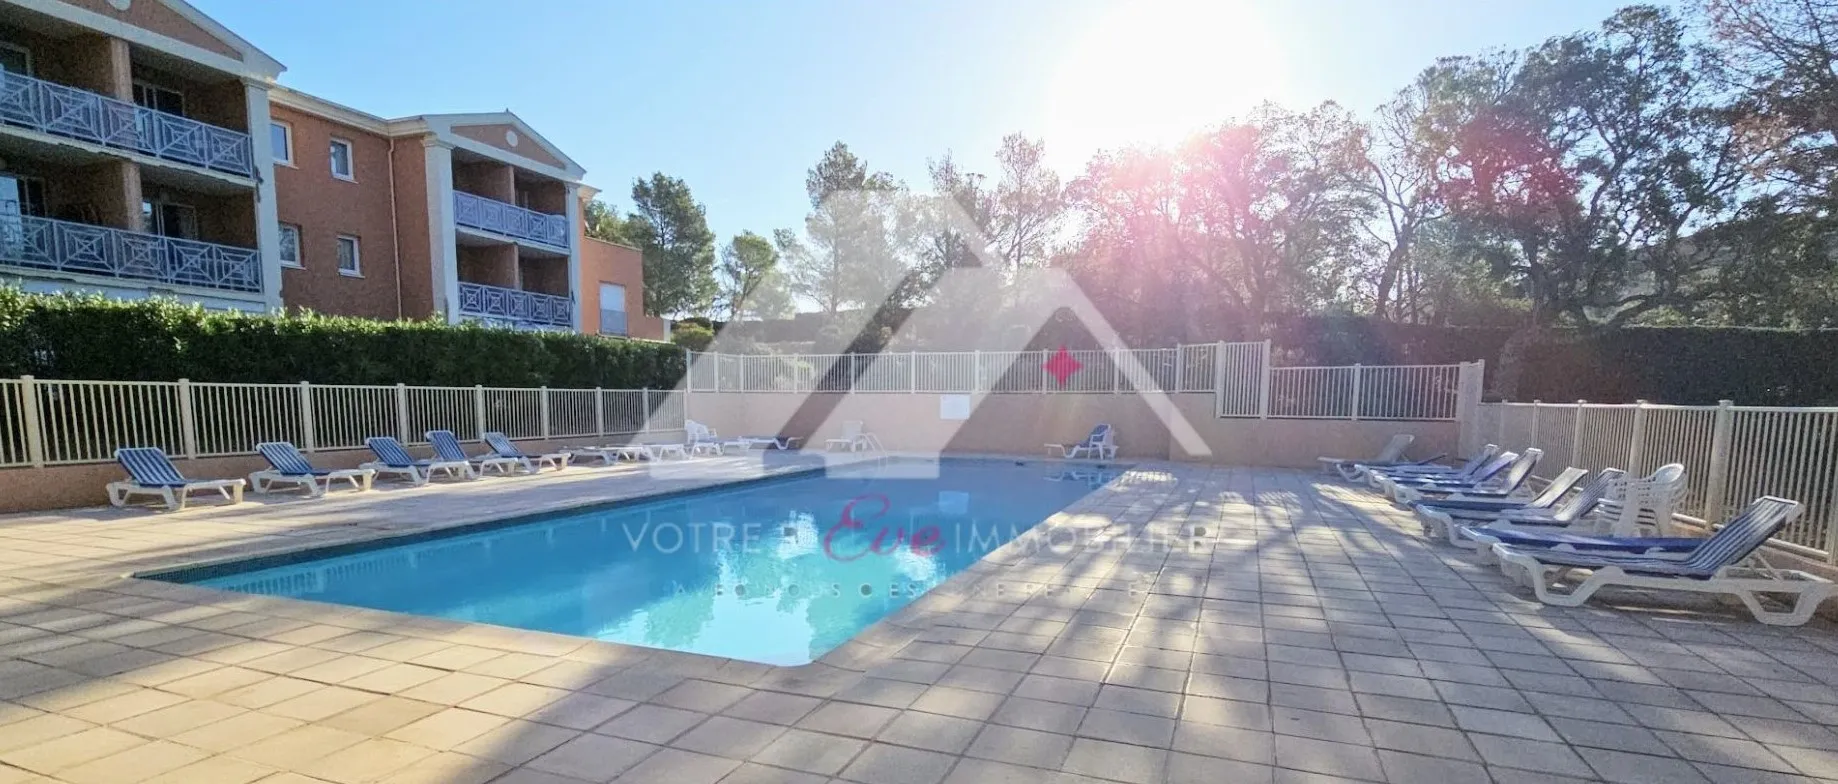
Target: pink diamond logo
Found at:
x=1062, y=365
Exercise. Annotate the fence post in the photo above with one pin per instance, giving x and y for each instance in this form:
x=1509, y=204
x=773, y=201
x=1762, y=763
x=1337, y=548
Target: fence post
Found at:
x=542, y=394
x=1044, y=375
x=402, y=413
x=1499, y=435
x=599, y=411
x=1356, y=375
x=307, y=439
x=478, y=409
x=1180, y=366
x=1576, y=437
x=1534, y=437
x=976, y=359
x=1116, y=372
x=1263, y=387
x=188, y=420
x=1637, y=446
x=35, y=426
x=912, y=370
x=854, y=370
x=1219, y=379
x=1719, y=471
x=743, y=373
x=644, y=425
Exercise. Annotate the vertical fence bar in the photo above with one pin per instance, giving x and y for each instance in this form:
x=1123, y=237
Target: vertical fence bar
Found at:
x=188, y=420
x=34, y=424
x=1533, y=439
x=308, y=441
x=1576, y=434
x=599, y=411
x=402, y=413
x=1116, y=375
x=1263, y=389
x=542, y=396
x=1637, y=443
x=478, y=407
x=1718, y=474
x=912, y=371
x=1356, y=381
x=1219, y=379
x=1180, y=366
x=644, y=399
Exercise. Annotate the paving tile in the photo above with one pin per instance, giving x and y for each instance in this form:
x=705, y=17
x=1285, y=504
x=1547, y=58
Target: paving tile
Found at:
x=1225, y=742
x=812, y=752
x=1135, y=728
x=367, y=761
x=1193, y=769
x=1529, y=755
x=134, y=764
x=930, y=731
x=1403, y=767
x=755, y=773
x=701, y=696
x=1420, y=739
x=845, y=718
x=1327, y=757
x=447, y=729
x=516, y=742
x=881, y=763
x=296, y=747
x=651, y=723
x=1624, y=768
x=1021, y=746
x=378, y=717
x=785, y=709
x=593, y=757
x=1116, y=761
x=723, y=736
x=1498, y=722
x=682, y=767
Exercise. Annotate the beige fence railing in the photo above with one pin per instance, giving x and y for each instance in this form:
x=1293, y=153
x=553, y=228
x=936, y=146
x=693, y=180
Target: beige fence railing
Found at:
x=45, y=422
x=1239, y=375
x=1731, y=453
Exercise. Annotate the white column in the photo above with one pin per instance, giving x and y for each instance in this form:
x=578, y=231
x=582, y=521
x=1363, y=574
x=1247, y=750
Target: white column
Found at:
x=267, y=214
x=443, y=253
x=575, y=290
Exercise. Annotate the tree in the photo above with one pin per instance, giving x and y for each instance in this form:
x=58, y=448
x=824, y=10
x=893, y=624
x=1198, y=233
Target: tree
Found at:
x=751, y=283
x=671, y=229
x=1400, y=160
x=852, y=254
x=603, y=223
x=1028, y=204
x=1780, y=56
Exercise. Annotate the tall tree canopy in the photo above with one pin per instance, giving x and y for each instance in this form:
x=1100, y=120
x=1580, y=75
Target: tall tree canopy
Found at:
x=752, y=285
x=671, y=228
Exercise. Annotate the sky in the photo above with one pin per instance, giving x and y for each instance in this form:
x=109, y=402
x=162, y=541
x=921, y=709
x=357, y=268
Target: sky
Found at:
x=740, y=98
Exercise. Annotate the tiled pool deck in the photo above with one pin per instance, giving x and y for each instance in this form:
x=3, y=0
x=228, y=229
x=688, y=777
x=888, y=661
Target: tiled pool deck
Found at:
x=1283, y=627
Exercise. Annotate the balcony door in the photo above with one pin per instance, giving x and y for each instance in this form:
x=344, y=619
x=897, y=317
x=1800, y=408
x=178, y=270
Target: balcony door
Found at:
x=15, y=59
x=169, y=219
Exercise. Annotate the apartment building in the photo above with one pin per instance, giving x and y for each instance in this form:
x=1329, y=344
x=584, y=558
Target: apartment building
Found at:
x=145, y=150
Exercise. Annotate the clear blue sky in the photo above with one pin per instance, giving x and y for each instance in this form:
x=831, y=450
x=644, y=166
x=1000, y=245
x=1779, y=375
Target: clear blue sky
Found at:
x=740, y=97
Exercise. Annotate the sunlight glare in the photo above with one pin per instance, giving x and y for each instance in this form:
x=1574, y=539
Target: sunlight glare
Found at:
x=1156, y=71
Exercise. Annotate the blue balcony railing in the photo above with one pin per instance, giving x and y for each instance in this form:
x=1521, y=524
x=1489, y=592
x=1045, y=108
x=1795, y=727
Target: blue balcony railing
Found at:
x=515, y=307
x=92, y=117
x=510, y=220
x=62, y=246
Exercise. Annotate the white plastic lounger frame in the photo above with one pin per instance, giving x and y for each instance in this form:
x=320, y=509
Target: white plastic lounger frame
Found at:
x=1101, y=444
x=1436, y=518
x=151, y=473
x=1714, y=567
x=394, y=460
x=855, y=438
x=502, y=446
x=447, y=447
x=291, y=468
x=1502, y=484
x=1392, y=452
x=1376, y=476
x=703, y=438
x=1633, y=507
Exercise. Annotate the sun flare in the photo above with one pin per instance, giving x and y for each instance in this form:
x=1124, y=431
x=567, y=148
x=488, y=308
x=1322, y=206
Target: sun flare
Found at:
x=1155, y=72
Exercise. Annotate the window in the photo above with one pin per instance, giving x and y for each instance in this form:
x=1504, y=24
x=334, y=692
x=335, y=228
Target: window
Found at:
x=157, y=98
x=348, y=262
x=612, y=309
x=26, y=194
x=169, y=220
x=341, y=159
x=281, y=138
x=15, y=59
x=290, y=245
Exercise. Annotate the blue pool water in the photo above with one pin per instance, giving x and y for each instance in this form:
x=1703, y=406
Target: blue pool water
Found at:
x=778, y=571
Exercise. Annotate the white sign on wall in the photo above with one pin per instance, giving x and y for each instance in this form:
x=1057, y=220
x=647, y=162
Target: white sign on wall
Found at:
x=954, y=407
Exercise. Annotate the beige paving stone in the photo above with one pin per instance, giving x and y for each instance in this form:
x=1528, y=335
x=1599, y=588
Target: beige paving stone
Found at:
x=124, y=706
x=682, y=767
x=136, y=764
x=651, y=723
x=516, y=742
x=367, y=761
x=342, y=669
x=448, y=729
x=515, y=700
x=456, y=657
x=52, y=756
x=214, y=682
x=321, y=703
x=510, y=665
x=593, y=757
x=813, y=752
x=214, y=770
x=447, y=768
x=267, y=692
x=293, y=749
x=236, y=732
x=179, y=718
x=378, y=717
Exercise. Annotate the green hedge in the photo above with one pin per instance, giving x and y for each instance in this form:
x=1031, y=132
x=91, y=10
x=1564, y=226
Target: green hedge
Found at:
x=91, y=337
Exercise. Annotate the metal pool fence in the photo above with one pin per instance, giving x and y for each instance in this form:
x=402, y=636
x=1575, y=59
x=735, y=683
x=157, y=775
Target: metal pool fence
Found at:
x=1732, y=453
x=57, y=422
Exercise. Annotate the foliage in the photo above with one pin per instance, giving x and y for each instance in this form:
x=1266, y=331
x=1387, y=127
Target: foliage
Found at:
x=671, y=228
x=91, y=337
x=752, y=285
x=691, y=335
x=850, y=253
x=603, y=223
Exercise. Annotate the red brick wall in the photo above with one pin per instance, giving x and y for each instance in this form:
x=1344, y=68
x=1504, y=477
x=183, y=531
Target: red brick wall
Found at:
x=323, y=206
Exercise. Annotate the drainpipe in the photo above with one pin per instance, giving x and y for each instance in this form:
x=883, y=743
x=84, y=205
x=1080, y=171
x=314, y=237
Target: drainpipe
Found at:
x=395, y=235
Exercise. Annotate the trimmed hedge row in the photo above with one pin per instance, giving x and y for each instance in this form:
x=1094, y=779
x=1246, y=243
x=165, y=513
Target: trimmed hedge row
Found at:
x=92, y=337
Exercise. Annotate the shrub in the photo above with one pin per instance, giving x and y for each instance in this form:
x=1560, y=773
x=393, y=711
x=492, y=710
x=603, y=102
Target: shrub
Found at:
x=691, y=335
x=92, y=337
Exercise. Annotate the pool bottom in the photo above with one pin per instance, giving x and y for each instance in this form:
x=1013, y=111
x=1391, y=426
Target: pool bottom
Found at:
x=777, y=570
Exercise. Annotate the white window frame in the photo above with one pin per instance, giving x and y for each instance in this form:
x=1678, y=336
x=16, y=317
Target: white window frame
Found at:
x=350, y=159
x=357, y=257
x=184, y=100
x=299, y=261
x=284, y=157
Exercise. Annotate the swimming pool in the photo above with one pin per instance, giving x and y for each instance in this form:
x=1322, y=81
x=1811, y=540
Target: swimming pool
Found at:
x=777, y=571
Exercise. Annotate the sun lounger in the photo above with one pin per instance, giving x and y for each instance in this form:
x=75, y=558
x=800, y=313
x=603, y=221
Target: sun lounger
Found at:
x=1376, y=477
x=394, y=460
x=1100, y=443
x=1714, y=566
x=854, y=438
x=1392, y=453
x=151, y=472
x=1501, y=484
x=1443, y=522
x=702, y=438
x=502, y=446
x=447, y=447
x=289, y=467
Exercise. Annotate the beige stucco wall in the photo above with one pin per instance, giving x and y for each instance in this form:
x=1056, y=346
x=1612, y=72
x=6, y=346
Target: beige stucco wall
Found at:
x=1022, y=424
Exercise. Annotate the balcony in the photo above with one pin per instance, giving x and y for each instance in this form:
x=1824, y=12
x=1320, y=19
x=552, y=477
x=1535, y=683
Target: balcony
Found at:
x=62, y=246
x=92, y=117
x=510, y=220
x=514, y=307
